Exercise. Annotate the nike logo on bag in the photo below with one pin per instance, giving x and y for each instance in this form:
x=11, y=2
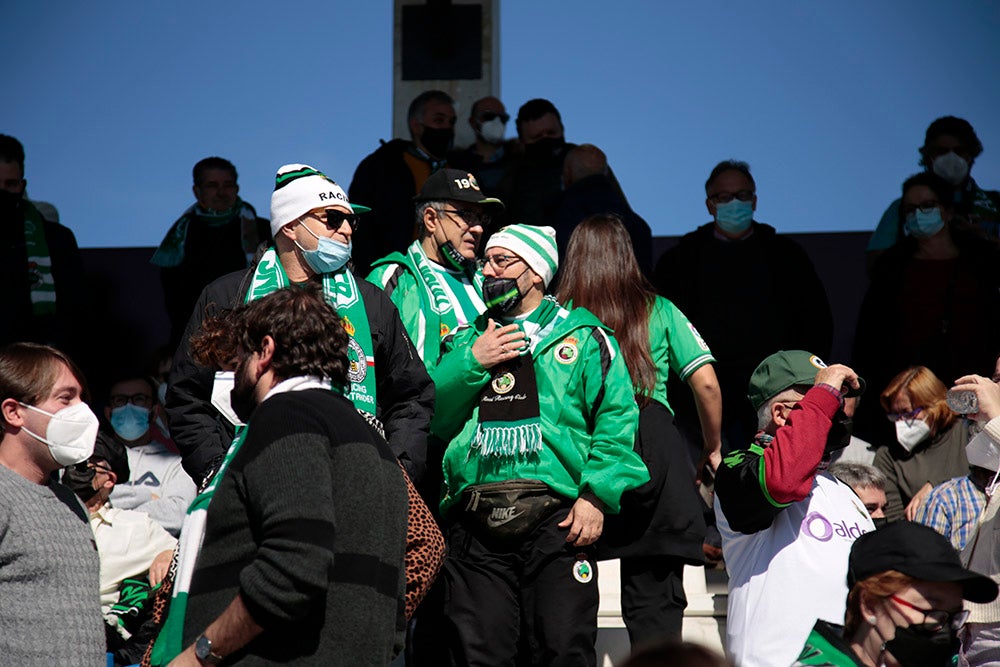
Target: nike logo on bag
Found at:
x=501, y=515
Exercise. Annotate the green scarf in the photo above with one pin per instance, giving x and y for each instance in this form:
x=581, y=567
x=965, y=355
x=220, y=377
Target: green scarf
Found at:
x=453, y=304
x=509, y=416
x=43, y=286
x=171, y=250
x=170, y=641
x=341, y=291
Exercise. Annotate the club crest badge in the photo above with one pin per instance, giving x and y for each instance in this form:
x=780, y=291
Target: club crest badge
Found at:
x=503, y=383
x=567, y=351
x=583, y=571
x=445, y=330
x=357, y=363
x=348, y=327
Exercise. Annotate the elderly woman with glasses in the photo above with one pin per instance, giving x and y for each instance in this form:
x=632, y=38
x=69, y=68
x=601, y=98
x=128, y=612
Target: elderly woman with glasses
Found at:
x=904, y=607
x=930, y=441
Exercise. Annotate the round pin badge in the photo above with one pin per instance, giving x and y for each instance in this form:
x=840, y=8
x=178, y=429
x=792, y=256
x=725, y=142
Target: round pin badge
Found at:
x=566, y=353
x=583, y=571
x=503, y=383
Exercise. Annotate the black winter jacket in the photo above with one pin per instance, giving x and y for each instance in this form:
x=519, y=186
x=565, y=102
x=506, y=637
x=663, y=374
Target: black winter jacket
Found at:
x=405, y=392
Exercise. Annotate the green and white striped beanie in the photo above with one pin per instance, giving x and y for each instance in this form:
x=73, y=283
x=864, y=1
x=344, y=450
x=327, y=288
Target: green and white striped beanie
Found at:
x=298, y=189
x=535, y=245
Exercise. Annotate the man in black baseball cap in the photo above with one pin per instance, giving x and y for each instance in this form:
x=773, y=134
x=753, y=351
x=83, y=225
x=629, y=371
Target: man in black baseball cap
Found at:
x=435, y=284
x=787, y=525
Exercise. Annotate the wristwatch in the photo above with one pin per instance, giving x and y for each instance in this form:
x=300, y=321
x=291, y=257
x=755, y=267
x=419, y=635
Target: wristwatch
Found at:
x=203, y=651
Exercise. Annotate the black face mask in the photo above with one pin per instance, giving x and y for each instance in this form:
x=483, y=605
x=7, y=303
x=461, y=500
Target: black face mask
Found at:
x=10, y=205
x=80, y=482
x=437, y=141
x=241, y=396
x=880, y=522
x=918, y=646
x=501, y=294
x=839, y=436
x=545, y=150
x=456, y=259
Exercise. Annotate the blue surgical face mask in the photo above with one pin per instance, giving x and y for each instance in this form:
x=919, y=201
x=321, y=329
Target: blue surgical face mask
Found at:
x=734, y=217
x=329, y=256
x=130, y=421
x=922, y=225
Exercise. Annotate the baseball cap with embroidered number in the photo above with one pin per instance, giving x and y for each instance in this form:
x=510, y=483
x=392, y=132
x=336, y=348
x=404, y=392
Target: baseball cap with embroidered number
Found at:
x=454, y=185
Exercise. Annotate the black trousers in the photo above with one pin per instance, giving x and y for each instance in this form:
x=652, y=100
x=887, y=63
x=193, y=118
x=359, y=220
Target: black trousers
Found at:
x=653, y=599
x=532, y=602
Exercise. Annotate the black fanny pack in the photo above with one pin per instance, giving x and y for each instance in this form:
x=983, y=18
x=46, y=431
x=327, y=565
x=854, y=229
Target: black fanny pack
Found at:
x=508, y=510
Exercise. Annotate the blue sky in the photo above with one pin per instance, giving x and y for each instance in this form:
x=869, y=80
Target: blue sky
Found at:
x=115, y=101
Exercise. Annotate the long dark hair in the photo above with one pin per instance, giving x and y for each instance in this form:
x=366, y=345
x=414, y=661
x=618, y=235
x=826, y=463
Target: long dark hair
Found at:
x=600, y=273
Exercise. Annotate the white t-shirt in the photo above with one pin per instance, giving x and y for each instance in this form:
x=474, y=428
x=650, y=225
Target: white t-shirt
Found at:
x=785, y=577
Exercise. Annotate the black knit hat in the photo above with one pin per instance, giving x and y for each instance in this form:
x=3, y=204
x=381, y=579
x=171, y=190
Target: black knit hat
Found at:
x=919, y=551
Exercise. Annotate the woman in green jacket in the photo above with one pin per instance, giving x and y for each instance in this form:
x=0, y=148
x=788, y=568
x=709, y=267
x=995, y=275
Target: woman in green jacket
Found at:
x=661, y=527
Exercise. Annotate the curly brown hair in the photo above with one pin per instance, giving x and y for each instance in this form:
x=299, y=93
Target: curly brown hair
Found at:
x=309, y=338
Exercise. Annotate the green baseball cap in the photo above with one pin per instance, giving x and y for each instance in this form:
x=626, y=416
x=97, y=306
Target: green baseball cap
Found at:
x=786, y=369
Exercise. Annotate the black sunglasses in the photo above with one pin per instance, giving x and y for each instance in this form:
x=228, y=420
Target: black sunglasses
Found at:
x=335, y=218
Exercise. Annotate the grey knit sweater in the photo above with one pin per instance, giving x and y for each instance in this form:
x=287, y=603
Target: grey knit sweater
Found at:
x=50, y=609
x=309, y=524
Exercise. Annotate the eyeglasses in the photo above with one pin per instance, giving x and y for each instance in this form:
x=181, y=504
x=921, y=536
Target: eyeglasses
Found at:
x=470, y=218
x=487, y=116
x=138, y=400
x=498, y=262
x=936, y=618
x=333, y=219
x=83, y=466
x=904, y=416
x=726, y=197
x=924, y=207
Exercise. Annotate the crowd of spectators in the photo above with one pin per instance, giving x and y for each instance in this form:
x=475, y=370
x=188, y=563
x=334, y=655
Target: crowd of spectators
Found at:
x=484, y=331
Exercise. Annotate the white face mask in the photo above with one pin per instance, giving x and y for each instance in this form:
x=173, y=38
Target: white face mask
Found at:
x=71, y=433
x=951, y=167
x=492, y=131
x=910, y=434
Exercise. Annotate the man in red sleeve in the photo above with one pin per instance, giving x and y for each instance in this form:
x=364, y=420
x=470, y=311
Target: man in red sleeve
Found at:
x=787, y=525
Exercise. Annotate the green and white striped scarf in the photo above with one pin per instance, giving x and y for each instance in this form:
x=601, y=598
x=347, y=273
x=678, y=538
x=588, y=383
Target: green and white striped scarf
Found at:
x=171, y=249
x=341, y=291
x=455, y=301
x=170, y=641
x=43, y=286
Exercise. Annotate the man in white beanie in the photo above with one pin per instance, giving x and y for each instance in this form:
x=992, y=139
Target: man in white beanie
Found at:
x=312, y=222
x=537, y=406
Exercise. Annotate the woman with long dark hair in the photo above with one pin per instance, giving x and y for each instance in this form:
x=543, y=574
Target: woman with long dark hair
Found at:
x=660, y=528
